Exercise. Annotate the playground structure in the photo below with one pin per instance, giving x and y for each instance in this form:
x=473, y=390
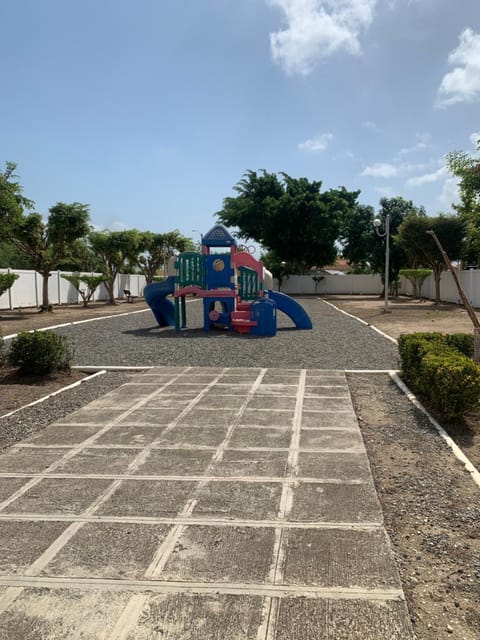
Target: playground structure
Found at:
x=235, y=287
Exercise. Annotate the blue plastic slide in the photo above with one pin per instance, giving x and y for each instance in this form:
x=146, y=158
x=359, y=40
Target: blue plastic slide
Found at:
x=156, y=297
x=291, y=308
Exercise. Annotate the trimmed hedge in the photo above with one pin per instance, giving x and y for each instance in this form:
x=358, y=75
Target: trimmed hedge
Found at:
x=440, y=367
x=40, y=353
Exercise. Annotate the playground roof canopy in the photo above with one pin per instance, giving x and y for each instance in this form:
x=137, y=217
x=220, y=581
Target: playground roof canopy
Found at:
x=218, y=236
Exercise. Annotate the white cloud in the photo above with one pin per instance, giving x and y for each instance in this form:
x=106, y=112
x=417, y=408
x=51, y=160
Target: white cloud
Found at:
x=316, y=29
x=463, y=83
x=320, y=143
x=385, y=192
x=381, y=170
x=347, y=154
x=426, y=178
x=475, y=139
x=423, y=143
x=450, y=192
x=368, y=124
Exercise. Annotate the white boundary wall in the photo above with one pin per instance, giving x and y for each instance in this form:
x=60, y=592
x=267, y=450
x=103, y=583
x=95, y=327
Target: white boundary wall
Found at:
x=372, y=284
x=27, y=289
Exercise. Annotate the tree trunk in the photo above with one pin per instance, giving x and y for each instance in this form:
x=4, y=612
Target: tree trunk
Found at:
x=45, y=301
x=437, y=274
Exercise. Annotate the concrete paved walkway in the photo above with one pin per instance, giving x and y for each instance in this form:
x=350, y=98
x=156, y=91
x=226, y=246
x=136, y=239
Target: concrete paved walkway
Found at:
x=199, y=504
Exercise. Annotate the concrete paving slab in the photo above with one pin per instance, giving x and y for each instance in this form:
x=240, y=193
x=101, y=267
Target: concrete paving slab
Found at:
x=98, y=461
x=201, y=417
x=338, y=466
x=194, y=436
x=251, y=463
x=221, y=554
x=327, y=404
x=219, y=401
x=330, y=439
x=8, y=486
x=175, y=462
x=303, y=619
x=338, y=391
x=130, y=435
x=26, y=460
x=59, y=495
x=272, y=402
x=154, y=417
x=244, y=437
x=335, y=503
x=106, y=550
x=328, y=420
x=339, y=558
x=172, y=400
x=150, y=498
x=283, y=390
x=279, y=418
x=235, y=500
x=67, y=435
x=193, y=617
x=21, y=543
x=86, y=415
x=40, y=614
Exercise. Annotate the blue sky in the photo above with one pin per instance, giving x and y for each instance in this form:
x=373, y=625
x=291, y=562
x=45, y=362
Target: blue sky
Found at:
x=151, y=110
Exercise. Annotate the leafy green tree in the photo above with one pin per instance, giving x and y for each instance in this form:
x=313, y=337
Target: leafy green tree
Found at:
x=421, y=248
x=398, y=209
x=91, y=282
x=6, y=281
x=156, y=249
x=279, y=269
x=13, y=203
x=467, y=169
x=358, y=243
x=114, y=251
x=416, y=277
x=13, y=258
x=47, y=243
x=289, y=216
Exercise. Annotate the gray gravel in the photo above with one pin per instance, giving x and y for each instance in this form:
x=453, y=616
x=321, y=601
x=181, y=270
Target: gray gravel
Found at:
x=336, y=342
x=27, y=422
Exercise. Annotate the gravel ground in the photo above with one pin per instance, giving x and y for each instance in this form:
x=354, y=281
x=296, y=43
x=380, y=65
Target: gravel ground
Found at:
x=25, y=423
x=336, y=342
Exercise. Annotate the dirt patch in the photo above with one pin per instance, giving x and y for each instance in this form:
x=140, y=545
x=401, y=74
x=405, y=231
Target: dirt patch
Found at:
x=17, y=391
x=406, y=315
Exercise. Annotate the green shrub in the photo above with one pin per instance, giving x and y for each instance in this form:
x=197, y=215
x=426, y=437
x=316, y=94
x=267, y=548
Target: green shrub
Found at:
x=440, y=367
x=40, y=353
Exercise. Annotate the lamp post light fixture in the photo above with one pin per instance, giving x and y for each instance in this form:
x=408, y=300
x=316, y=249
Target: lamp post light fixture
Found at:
x=377, y=223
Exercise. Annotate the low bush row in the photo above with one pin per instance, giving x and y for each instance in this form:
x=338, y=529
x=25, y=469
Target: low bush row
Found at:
x=440, y=367
x=40, y=353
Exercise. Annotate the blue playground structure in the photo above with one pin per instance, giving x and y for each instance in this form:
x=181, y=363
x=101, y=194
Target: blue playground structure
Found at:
x=235, y=287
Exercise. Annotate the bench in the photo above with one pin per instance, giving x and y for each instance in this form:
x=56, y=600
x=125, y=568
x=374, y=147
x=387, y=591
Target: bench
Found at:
x=128, y=295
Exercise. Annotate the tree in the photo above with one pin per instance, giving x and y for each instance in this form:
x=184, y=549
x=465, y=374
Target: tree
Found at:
x=6, y=281
x=398, y=209
x=416, y=277
x=358, y=242
x=279, y=269
x=12, y=201
x=421, y=248
x=48, y=243
x=157, y=248
x=114, y=250
x=288, y=216
x=91, y=282
x=467, y=169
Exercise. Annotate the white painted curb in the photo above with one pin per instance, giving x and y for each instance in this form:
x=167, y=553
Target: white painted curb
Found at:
x=86, y=368
x=448, y=440
x=50, y=395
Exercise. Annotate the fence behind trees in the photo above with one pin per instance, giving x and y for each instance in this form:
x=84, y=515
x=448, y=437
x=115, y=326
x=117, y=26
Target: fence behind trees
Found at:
x=27, y=289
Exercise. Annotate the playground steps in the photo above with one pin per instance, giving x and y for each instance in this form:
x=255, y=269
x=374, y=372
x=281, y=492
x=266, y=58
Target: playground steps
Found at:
x=241, y=321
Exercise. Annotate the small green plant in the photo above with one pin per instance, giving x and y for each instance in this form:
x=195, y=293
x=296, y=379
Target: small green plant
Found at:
x=40, y=353
x=416, y=277
x=6, y=281
x=92, y=283
x=441, y=368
